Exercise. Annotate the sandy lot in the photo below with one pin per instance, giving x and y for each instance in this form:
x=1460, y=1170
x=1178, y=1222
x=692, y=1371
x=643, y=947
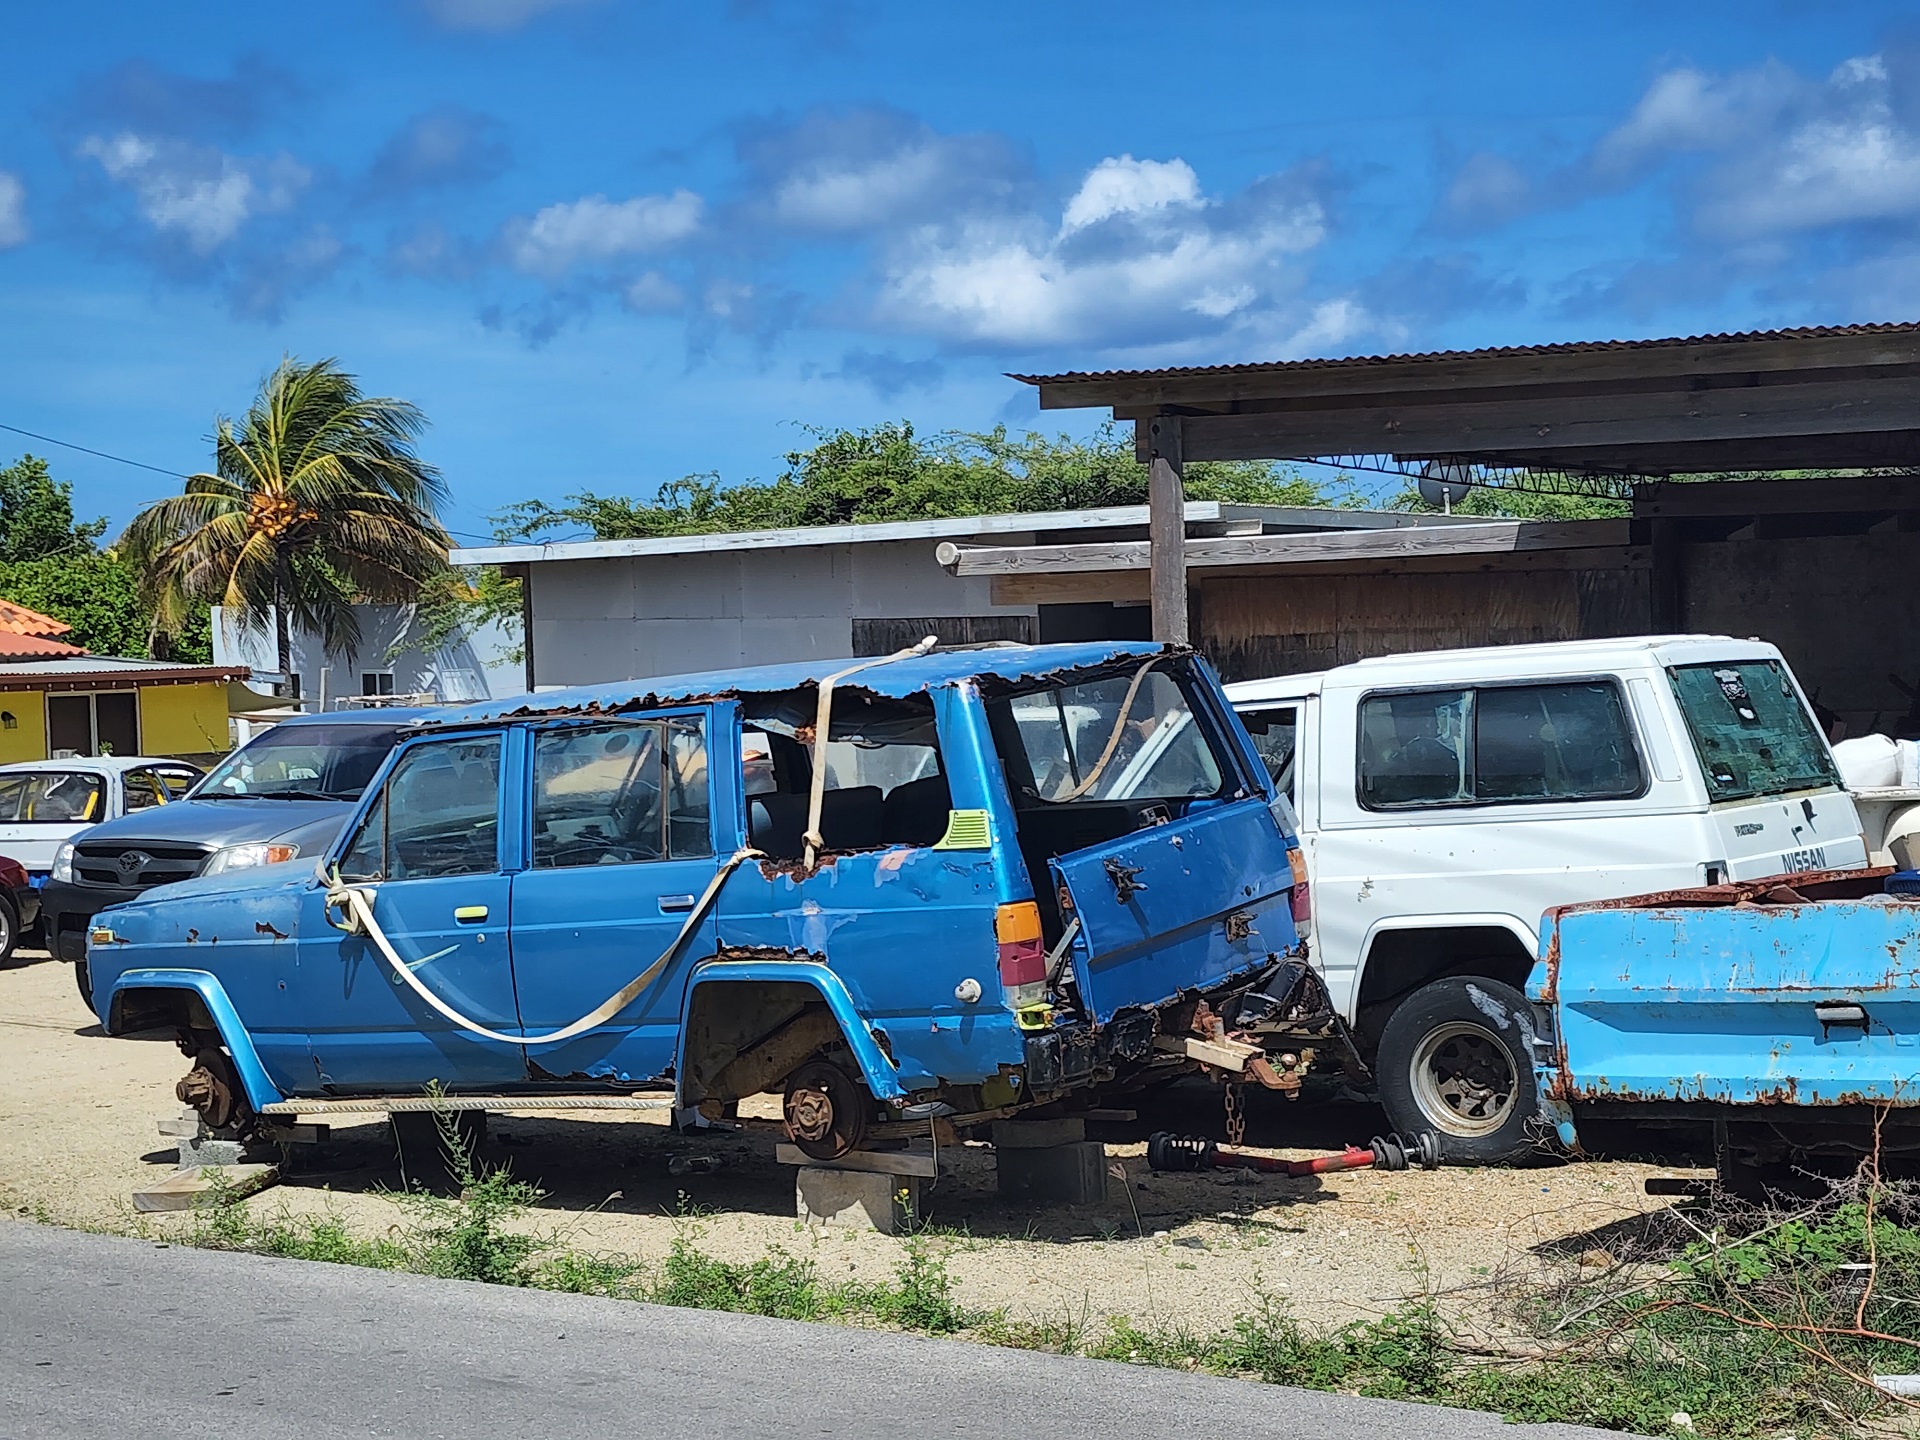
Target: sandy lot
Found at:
x=77, y=1135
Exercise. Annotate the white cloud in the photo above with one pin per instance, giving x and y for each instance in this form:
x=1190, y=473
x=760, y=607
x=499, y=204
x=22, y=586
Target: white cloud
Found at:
x=1122, y=185
x=596, y=229
x=496, y=16
x=202, y=194
x=1138, y=257
x=1828, y=172
x=13, y=211
x=1490, y=190
x=848, y=195
x=653, y=293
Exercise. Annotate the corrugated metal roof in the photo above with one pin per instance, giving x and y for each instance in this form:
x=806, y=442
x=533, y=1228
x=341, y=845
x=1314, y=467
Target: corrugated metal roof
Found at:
x=70, y=665
x=1572, y=347
x=891, y=678
x=868, y=533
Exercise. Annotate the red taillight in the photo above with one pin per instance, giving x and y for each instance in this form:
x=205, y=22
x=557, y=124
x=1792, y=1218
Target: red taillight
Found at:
x=1023, y=958
x=1302, y=900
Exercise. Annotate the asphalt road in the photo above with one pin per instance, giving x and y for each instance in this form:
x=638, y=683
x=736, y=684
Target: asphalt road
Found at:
x=101, y=1336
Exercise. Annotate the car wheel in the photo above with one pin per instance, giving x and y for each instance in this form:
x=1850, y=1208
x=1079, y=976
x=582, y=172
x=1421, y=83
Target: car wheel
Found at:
x=826, y=1110
x=9, y=929
x=1455, y=1060
x=84, y=978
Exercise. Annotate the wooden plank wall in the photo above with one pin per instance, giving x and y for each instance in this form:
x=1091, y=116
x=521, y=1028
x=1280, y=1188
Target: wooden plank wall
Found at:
x=1280, y=625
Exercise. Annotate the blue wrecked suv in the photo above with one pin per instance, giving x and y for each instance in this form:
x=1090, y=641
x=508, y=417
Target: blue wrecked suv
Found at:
x=941, y=883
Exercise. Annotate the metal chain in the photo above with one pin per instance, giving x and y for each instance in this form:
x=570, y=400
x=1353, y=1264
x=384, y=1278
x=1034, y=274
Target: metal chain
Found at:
x=1236, y=1114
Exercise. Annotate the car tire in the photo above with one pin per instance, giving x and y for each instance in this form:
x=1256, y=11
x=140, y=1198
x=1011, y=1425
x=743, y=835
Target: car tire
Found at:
x=1455, y=1061
x=84, y=978
x=9, y=929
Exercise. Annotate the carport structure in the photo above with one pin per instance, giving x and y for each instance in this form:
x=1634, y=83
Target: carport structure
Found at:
x=1830, y=399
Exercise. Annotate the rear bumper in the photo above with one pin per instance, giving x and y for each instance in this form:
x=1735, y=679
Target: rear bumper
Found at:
x=69, y=910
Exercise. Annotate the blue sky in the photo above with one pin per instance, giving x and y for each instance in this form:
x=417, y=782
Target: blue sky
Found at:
x=604, y=243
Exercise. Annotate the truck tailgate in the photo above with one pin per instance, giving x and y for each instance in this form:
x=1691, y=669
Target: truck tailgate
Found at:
x=1793, y=1000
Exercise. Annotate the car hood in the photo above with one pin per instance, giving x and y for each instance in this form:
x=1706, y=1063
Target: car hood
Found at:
x=226, y=822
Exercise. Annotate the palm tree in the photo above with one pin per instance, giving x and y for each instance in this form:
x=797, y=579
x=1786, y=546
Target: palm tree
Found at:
x=317, y=502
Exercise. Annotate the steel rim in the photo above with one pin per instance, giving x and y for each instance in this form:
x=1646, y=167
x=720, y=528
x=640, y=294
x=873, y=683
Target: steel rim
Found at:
x=1463, y=1079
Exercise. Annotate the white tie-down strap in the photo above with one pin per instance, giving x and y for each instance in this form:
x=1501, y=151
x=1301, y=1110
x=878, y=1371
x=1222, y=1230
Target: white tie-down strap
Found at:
x=356, y=905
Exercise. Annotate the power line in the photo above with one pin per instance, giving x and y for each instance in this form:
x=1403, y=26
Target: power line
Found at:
x=84, y=450
x=173, y=474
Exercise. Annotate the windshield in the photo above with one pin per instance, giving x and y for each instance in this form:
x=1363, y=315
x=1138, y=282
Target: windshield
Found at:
x=303, y=762
x=1753, y=734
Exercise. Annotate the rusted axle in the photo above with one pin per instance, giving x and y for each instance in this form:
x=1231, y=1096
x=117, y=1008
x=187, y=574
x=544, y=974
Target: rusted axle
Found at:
x=1166, y=1151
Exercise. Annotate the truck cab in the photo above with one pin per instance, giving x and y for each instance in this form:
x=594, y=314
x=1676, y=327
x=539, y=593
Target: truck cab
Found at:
x=1445, y=800
x=932, y=884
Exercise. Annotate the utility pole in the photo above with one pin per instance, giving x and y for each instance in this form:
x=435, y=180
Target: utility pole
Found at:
x=1167, y=528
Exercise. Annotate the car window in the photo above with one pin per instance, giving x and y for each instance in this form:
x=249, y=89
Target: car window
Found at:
x=176, y=782
x=1553, y=742
x=1750, y=730
x=438, y=814
x=1499, y=745
x=1129, y=737
x=1275, y=735
x=1413, y=749
x=333, y=762
x=619, y=794
x=143, y=790
x=52, y=797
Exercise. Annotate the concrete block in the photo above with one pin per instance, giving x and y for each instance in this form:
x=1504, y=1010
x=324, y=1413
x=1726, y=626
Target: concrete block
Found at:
x=1038, y=1134
x=855, y=1199
x=1074, y=1174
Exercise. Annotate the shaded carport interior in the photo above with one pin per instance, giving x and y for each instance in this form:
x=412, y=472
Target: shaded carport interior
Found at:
x=1820, y=566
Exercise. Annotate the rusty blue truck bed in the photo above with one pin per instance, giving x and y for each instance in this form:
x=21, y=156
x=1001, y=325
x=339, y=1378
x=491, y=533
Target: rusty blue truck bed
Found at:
x=1788, y=1010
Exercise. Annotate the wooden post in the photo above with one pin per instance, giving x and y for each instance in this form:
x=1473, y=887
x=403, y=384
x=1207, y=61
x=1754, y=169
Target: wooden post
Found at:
x=1167, y=529
x=1668, y=605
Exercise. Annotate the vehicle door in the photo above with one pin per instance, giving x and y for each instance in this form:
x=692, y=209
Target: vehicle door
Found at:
x=621, y=852
x=427, y=847
x=1158, y=834
x=1278, y=729
x=40, y=808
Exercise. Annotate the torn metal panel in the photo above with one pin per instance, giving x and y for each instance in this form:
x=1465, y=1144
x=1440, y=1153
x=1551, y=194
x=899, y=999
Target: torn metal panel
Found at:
x=1006, y=666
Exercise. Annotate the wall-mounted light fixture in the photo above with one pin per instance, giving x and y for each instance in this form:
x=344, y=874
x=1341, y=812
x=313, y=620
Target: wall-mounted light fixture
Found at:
x=7, y=722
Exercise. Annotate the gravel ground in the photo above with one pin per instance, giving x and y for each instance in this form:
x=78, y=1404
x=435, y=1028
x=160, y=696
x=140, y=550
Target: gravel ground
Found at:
x=77, y=1136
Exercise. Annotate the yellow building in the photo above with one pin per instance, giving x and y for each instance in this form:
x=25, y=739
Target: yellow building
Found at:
x=57, y=699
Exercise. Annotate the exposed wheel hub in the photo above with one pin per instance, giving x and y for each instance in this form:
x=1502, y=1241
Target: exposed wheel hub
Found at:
x=826, y=1110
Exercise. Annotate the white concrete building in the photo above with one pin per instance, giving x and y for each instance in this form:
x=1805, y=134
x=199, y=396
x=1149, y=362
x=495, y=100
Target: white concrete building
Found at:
x=477, y=664
x=601, y=610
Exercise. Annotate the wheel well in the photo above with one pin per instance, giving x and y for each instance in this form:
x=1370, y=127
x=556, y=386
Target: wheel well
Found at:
x=161, y=1012
x=1399, y=962
x=746, y=1036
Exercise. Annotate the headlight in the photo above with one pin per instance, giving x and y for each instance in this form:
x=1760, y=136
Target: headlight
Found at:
x=247, y=857
x=63, y=862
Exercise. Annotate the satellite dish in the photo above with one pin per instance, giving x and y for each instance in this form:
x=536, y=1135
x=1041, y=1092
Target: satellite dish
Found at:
x=1445, y=485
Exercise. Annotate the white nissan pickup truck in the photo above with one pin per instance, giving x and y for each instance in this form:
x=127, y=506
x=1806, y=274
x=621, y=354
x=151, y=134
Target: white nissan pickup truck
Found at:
x=1445, y=800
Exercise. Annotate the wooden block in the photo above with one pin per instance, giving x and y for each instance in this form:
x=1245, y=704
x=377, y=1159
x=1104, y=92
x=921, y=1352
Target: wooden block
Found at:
x=1111, y=1117
x=184, y=1189
x=871, y=1162
x=1225, y=1054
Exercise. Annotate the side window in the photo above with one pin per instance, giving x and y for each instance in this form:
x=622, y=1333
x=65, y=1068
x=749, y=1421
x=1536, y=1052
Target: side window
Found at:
x=1413, y=749
x=143, y=790
x=1500, y=745
x=618, y=794
x=883, y=783
x=176, y=782
x=1275, y=736
x=437, y=815
x=1554, y=742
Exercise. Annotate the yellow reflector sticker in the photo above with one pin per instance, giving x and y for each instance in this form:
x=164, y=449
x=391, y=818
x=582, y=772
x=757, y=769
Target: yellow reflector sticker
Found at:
x=966, y=830
x=102, y=936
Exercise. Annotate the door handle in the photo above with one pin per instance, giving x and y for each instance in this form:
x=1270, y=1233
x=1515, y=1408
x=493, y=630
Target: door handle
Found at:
x=470, y=914
x=675, y=904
